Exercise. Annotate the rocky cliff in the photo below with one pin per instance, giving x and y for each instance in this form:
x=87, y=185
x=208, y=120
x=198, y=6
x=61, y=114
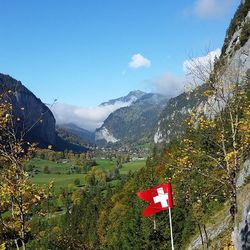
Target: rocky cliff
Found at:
x=235, y=56
x=35, y=117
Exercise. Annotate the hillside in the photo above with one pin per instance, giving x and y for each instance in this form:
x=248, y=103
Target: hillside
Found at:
x=30, y=110
x=90, y=200
x=133, y=124
x=34, y=118
x=131, y=97
x=71, y=130
x=235, y=57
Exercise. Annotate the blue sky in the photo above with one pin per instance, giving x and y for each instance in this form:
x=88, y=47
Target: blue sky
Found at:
x=79, y=51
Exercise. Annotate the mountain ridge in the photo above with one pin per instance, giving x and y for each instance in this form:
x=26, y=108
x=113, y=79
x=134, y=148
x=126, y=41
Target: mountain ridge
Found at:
x=132, y=124
x=35, y=118
x=33, y=110
x=131, y=97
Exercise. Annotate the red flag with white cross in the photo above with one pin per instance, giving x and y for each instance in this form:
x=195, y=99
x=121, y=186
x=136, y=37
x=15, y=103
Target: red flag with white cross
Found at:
x=160, y=199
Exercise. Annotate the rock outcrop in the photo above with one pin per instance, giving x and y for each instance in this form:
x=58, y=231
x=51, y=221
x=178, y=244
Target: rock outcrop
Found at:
x=35, y=118
x=235, y=55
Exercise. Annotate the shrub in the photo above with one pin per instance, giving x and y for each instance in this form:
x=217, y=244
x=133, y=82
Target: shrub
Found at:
x=46, y=170
x=77, y=182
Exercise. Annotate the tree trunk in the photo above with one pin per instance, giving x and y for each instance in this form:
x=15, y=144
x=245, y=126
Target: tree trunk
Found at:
x=233, y=196
x=16, y=243
x=202, y=241
x=207, y=239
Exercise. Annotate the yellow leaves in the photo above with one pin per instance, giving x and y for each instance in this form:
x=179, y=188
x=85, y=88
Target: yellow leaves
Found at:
x=208, y=93
x=76, y=196
x=2, y=246
x=187, y=141
x=184, y=160
x=205, y=123
x=49, y=146
x=51, y=184
x=18, y=195
x=230, y=155
x=229, y=247
x=56, y=230
x=37, y=198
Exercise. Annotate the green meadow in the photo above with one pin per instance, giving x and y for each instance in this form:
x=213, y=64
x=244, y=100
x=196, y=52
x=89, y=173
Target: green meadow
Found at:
x=60, y=174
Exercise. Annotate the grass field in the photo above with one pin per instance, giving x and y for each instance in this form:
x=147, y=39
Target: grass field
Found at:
x=59, y=172
x=60, y=180
x=53, y=166
x=132, y=166
x=105, y=164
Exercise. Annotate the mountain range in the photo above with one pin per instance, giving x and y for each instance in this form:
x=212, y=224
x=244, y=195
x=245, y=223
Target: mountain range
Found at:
x=141, y=118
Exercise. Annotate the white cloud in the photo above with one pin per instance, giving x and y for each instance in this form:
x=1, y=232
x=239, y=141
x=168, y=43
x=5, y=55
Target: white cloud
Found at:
x=206, y=60
x=138, y=61
x=87, y=118
x=172, y=84
x=169, y=84
x=199, y=68
x=211, y=8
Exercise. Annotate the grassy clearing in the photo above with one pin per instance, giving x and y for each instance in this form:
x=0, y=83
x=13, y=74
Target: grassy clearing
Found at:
x=126, y=167
x=60, y=180
x=54, y=167
x=132, y=166
x=59, y=172
x=105, y=164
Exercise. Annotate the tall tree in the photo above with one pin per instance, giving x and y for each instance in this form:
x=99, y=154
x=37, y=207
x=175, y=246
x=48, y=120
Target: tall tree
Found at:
x=17, y=194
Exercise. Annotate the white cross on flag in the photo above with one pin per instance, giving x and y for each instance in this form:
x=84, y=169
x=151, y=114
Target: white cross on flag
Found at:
x=160, y=199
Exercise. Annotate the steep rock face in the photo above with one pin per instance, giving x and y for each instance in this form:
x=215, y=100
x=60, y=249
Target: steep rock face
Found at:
x=241, y=234
x=221, y=223
x=35, y=117
x=133, y=124
x=235, y=55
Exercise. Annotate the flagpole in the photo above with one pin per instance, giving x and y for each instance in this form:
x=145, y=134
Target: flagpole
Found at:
x=171, y=230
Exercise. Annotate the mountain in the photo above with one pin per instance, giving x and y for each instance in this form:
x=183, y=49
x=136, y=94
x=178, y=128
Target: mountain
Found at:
x=87, y=137
x=128, y=99
x=171, y=122
x=35, y=118
x=81, y=120
x=133, y=124
x=30, y=110
x=234, y=55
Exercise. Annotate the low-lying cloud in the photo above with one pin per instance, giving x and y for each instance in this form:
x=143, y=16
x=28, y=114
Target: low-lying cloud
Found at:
x=169, y=84
x=172, y=84
x=83, y=117
x=139, y=61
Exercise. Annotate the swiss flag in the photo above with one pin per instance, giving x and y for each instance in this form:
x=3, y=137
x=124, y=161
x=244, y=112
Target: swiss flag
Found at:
x=160, y=199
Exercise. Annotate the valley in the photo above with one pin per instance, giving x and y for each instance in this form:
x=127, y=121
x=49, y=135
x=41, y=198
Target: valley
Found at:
x=64, y=175
x=70, y=175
